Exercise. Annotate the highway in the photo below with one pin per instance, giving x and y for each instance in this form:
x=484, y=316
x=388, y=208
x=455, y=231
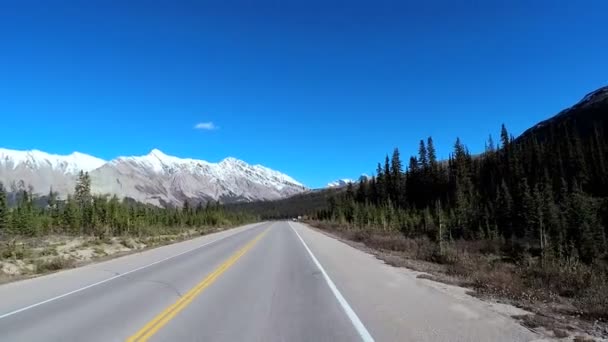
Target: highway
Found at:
x=271, y=281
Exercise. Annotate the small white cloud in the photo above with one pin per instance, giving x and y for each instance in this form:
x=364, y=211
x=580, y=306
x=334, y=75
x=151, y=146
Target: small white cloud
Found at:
x=209, y=126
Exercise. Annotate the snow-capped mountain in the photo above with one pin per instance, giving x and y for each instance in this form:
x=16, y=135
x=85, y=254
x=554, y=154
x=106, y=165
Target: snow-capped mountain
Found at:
x=344, y=182
x=340, y=183
x=155, y=178
x=35, y=159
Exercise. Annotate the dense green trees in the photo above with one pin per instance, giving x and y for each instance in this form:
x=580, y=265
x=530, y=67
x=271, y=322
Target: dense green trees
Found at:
x=85, y=214
x=545, y=193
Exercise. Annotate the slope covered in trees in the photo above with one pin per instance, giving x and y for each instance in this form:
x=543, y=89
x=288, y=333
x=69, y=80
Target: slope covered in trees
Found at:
x=545, y=191
x=290, y=207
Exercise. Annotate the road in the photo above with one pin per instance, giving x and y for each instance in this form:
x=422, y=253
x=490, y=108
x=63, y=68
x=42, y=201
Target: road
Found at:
x=274, y=281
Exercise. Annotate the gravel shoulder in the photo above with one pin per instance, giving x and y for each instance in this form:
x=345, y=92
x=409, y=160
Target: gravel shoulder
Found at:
x=397, y=305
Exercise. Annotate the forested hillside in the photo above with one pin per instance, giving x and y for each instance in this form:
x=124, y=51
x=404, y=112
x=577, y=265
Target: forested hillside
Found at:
x=545, y=191
x=294, y=206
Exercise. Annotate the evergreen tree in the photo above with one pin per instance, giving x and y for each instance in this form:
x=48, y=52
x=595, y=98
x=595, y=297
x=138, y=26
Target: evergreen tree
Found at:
x=82, y=190
x=386, y=176
x=423, y=155
x=490, y=145
x=84, y=199
x=53, y=210
x=504, y=138
x=527, y=211
x=504, y=211
x=381, y=185
x=432, y=154
x=71, y=218
x=396, y=177
x=4, y=214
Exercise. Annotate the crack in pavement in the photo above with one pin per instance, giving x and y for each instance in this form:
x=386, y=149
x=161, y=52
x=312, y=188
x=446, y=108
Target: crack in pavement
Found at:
x=171, y=287
x=114, y=273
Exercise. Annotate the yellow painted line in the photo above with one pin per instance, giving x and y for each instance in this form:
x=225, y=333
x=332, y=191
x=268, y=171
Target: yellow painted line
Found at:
x=166, y=315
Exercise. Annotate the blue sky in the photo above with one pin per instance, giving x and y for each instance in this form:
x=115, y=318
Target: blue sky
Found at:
x=318, y=90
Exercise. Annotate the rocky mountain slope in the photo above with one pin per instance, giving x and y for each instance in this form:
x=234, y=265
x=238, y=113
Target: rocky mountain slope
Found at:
x=155, y=178
x=588, y=116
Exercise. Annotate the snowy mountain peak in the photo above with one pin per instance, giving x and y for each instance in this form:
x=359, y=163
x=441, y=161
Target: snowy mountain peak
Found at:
x=233, y=161
x=157, y=153
x=35, y=159
x=344, y=182
x=340, y=183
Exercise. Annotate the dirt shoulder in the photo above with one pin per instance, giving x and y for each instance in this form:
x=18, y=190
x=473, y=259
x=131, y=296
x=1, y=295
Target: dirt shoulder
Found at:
x=553, y=316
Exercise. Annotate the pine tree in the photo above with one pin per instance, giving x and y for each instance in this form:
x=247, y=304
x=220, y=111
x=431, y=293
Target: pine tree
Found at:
x=71, y=216
x=490, y=147
x=381, y=185
x=4, y=214
x=25, y=214
x=526, y=211
x=82, y=190
x=504, y=206
x=540, y=210
x=186, y=213
x=387, y=179
x=440, y=229
x=53, y=209
x=423, y=155
x=84, y=199
x=504, y=138
x=396, y=177
x=432, y=154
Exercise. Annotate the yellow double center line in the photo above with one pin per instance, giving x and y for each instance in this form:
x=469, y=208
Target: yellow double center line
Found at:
x=166, y=315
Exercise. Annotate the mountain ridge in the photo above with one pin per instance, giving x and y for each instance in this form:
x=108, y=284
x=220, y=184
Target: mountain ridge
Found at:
x=586, y=114
x=155, y=178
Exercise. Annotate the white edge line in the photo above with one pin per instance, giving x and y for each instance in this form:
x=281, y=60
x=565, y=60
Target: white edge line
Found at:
x=365, y=335
x=116, y=276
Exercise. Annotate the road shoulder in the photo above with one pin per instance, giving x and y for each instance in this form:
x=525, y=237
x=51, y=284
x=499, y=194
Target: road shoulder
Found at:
x=396, y=305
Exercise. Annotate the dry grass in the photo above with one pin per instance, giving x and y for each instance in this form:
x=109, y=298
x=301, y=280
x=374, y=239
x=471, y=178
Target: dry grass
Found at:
x=26, y=257
x=53, y=264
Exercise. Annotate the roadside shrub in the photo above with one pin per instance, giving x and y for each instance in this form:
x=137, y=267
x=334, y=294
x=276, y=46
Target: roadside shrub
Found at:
x=128, y=243
x=99, y=251
x=11, y=250
x=54, y=264
x=48, y=251
x=594, y=300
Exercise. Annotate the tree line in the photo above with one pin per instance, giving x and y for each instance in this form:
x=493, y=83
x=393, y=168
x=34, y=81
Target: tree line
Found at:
x=83, y=213
x=545, y=192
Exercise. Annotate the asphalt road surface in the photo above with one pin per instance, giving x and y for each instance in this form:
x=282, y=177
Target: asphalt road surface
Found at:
x=274, y=281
